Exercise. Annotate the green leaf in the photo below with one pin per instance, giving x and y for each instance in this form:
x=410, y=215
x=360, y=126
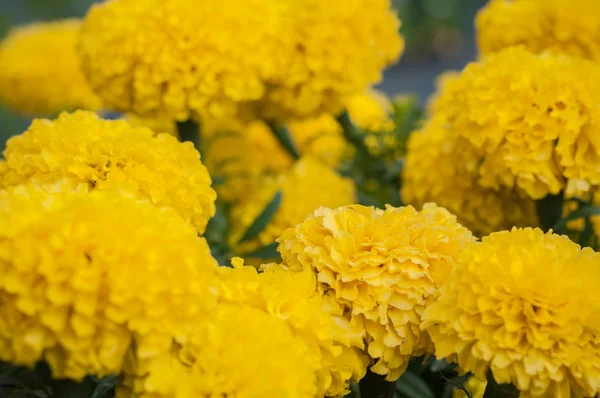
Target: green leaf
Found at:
x=263, y=219
x=583, y=212
x=283, y=136
x=105, y=386
x=412, y=386
x=266, y=252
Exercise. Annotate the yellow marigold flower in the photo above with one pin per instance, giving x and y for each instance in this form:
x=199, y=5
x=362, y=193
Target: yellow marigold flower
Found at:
x=40, y=73
x=535, y=117
x=524, y=304
x=341, y=48
x=162, y=57
x=87, y=277
x=84, y=148
x=241, y=352
x=371, y=111
x=306, y=186
x=383, y=266
x=561, y=26
x=335, y=342
x=475, y=386
x=443, y=167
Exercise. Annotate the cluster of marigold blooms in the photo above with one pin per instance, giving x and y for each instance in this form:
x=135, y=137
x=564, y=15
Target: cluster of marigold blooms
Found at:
x=103, y=265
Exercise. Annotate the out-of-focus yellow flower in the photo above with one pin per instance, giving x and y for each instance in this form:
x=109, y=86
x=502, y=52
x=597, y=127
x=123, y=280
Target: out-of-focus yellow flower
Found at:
x=87, y=277
x=335, y=342
x=526, y=305
x=242, y=153
x=383, y=266
x=241, y=352
x=40, y=73
x=84, y=148
x=306, y=186
x=475, y=386
x=536, y=118
x=164, y=57
x=443, y=167
x=560, y=26
x=341, y=48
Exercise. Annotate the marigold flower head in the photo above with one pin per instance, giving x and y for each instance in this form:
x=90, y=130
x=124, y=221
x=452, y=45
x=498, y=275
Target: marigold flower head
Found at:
x=525, y=305
x=84, y=148
x=443, y=167
x=306, y=186
x=536, y=117
x=559, y=26
x=40, y=73
x=335, y=342
x=87, y=277
x=157, y=57
x=341, y=48
x=241, y=352
x=383, y=266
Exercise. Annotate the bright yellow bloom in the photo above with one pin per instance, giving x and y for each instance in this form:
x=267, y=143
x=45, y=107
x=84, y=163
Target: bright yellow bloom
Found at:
x=443, y=167
x=475, y=386
x=560, y=26
x=306, y=186
x=241, y=352
x=84, y=148
x=182, y=58
x=526, y=305
x=536, y=118
x=156, y=124
x=341, y=48
x=266, y=62
x=40, y=73
x=334, y=342
x=87, y=277
x=383, y=266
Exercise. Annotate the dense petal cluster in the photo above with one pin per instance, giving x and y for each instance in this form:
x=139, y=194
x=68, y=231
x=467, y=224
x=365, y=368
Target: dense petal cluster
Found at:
x=306, y=186
x=272, y=60
x=560, y=26
x=84, y=148
x=318, y=321
x=243, y=352
x=525, y=305
x=536, y=118
x=154, y=57
x=455, y=185
x=383, y=266
x=341, y=48
x=87, y=277
x=40, y=73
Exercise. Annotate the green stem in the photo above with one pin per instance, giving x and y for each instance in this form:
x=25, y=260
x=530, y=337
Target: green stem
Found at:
x=283, y=136
x=352, y=135
x=495, y=390
x=375, y=386
x=189, y=131
x=549, y=210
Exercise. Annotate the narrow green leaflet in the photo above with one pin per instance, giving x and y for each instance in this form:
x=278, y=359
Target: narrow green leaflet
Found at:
x=412, y=386
x=263, y=218
x=584, y=212
x=105, y=387
x=282, y=134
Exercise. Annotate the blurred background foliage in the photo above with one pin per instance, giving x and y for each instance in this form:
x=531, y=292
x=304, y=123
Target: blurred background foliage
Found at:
x=439, y=36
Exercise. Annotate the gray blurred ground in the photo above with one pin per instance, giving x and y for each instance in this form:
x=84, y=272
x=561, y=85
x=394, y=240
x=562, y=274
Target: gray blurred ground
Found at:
x=415, y=73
